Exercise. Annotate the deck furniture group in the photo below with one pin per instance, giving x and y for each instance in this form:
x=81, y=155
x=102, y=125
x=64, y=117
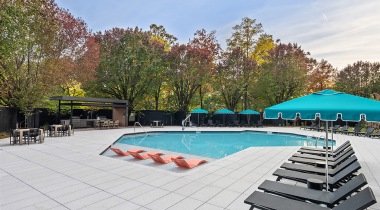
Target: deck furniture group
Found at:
x=357, y=130
x=347, y=186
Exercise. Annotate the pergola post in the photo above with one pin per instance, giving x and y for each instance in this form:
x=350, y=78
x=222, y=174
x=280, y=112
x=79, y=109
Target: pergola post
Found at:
x=71, y=112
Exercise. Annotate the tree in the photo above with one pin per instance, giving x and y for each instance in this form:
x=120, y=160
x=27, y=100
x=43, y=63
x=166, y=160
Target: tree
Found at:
x=228, y=77
x=321, y=76
x=161, y=43
x=361, y=78
x=27, y=39
x=126, y=67
x=264, y=44
x=244, y=38
x=283, y=76
x=209, y=48
x=40, y=44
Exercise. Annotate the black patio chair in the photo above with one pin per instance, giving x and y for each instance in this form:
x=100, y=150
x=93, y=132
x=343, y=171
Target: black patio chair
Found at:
x=334, y=181
x=14, y=137
x=319, y=170
x=318, y=197
x=260, y=200
x=34, y=133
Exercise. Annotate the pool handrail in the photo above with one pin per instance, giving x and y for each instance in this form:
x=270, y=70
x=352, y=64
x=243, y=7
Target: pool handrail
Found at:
x=187, y=119
x=134, y=127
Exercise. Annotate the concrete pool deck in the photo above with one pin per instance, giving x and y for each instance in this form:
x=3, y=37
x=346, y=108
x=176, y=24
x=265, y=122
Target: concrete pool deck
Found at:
x=69, y=173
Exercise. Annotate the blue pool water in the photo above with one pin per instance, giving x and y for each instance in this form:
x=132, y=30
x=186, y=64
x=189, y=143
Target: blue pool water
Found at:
x=214, y=144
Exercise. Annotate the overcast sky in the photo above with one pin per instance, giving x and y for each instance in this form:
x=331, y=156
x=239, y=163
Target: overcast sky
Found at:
x=341, y=31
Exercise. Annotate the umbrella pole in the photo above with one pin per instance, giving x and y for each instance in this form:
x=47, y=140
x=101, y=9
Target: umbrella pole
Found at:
x=332, y=138
x=326, y=145
x=198, y=119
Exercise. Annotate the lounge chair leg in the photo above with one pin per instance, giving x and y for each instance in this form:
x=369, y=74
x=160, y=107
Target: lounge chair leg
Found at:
x=278, y=179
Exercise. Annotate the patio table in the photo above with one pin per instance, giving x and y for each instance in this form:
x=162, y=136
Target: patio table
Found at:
x=59, y=126
x=157, y=123
x=21, y=132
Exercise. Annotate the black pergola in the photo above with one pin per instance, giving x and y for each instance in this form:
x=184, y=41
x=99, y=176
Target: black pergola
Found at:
x=97, y=102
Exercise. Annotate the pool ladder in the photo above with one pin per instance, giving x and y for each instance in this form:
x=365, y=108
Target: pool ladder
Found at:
x=310, y=138
x=184, y=122
x=134, y=127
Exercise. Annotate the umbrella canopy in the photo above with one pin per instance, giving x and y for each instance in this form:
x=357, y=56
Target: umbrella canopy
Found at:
x=248, y=112
x=224, y=112
x=199, y=111
x=328, y=104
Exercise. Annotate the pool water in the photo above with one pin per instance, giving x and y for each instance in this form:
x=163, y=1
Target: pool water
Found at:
x=215, y=144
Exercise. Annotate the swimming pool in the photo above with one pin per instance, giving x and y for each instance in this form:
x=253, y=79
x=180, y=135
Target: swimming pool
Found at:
x=214, y=144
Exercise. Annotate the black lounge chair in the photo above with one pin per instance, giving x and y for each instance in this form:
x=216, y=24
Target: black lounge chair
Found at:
x=311, y=127
x=334, y=129
x=319, y=170
x=210, y=123
x=357, y=129
x=218, y=123
x=260, y=200
x=375, y=134
x=244, y=123
x=333, y=164
x=343, y=129
x=367, y=132
x=203, y=124
x=320, y=128
x=236, y=123
x=323, y=149
x=319, y=197
x=321, y=153
x=334, y=181
x=259, y=123
x=349, y=150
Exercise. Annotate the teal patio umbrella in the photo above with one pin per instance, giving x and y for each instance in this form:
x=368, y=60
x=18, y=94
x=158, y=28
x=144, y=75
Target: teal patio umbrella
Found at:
x=199, y=111
x=328, y=105
x=248, y=112
x=224, y=112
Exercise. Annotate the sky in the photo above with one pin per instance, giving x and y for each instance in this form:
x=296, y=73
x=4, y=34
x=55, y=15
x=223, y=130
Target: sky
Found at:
x=341, y=31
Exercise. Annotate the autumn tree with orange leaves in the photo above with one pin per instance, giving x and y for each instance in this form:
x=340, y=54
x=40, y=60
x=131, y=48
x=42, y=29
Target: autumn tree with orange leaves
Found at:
x=42, y=46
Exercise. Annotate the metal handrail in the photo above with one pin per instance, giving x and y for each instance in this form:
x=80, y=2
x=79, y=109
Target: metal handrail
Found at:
x=137, y=123
x=184, y=122
x=317, y=140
